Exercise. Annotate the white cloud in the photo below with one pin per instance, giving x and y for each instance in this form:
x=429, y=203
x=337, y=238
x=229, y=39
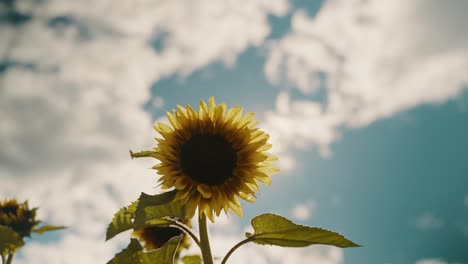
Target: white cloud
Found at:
x=80, y=78
x=431, y=261
x=429, y=221
x=72, y=248
x=378, y=59
x=304, y=211
x=71, y=102
x=157, y=102
x=297, y=123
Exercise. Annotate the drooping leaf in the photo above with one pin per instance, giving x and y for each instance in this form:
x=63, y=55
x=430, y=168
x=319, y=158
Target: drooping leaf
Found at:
x=130, y=255
x=192, y=259
x=47, y=228
x=134, y=253
x=122, y=221
x=163, y=255
x=10, y=241
x=141, y=154
x=271, y=229
x=157, y=206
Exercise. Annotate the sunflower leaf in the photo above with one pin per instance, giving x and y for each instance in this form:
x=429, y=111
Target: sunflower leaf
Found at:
x=141, y=154
x=192, y=259
x=134, y=253
x=10, y=241
x=130, y=255
x=163, y=255
x=47, y=228
x=158, y=206
x=122, y=220
x=271, y=229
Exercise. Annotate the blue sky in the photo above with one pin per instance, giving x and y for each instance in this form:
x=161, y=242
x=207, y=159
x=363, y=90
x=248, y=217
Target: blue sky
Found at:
x=379, y=182
x=366, y=103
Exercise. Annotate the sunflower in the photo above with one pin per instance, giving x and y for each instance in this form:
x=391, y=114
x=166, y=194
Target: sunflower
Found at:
x=212, y=156
x=154, y=237
x=18, y=217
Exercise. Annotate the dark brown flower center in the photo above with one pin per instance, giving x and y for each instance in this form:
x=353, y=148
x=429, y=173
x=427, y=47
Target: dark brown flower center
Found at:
x=156, y=237
x=208, y=159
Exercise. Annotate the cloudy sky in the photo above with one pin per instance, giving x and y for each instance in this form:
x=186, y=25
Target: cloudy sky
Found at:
x=366, y=102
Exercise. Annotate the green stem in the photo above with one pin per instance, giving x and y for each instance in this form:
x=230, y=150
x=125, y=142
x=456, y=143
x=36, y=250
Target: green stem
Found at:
x=245, y=241
x=187, y=231
x=10, y=259
x=204, y=241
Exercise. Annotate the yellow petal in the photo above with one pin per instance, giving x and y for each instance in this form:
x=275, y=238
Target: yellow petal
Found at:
x=212, y=104
x=271, y=157
x=190, y=206
x=182, y=110
x=191, y=112
x=269, y=170
x=173, y=120
x=263, y=178
x=183, y=195
x=265, y=147
x=246, y=119
x=181, y=183
x=236, y=209
x=234, y=114
x=219, y=113
x=203, y=107
x=163, y=128
x=246, y=197
x=204, y=190
x=209, y=214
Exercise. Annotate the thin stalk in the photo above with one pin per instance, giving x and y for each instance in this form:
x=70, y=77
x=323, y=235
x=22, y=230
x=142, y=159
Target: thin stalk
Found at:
x=204, y=241
x=245, y=241
x=10, y=259
x=3, y=259
x=187, y=231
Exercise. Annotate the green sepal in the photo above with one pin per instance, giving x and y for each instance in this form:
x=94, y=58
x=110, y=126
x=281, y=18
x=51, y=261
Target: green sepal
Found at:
x=134, y=253
x=153, y=207
x=192, y=259
x=47, y=228
x=141, y=154
x=122, y=221
x=271, y=229
x=10, y=241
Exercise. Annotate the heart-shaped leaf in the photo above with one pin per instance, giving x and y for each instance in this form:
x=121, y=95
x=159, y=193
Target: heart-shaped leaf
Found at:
x=158, y=206
x=271, y=229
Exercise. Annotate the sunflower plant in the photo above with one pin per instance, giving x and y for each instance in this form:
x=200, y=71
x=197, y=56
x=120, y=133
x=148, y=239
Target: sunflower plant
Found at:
x=208, y=158
x=18, y=221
